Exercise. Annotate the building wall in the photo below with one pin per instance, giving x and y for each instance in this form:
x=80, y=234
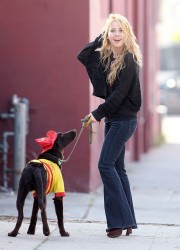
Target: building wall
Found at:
x=39, y=42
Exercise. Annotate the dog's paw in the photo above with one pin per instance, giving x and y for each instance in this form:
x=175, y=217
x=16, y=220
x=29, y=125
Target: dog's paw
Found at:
x=32, y=232
x=12, y=234
x=64, y=233
x=46, y=232
x=32, y=228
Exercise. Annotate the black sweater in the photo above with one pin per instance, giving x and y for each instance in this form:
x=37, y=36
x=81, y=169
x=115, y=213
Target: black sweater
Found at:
x=123, y=98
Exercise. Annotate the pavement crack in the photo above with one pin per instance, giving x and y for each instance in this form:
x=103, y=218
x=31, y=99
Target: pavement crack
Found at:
x=46, y=239
x=90, y=204
x=154, y=238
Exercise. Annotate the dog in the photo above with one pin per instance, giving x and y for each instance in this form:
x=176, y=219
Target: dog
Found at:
x=43, y=176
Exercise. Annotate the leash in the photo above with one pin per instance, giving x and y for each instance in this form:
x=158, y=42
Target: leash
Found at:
x=84, y=121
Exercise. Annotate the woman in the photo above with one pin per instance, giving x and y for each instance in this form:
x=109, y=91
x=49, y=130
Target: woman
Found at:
x=112, y=62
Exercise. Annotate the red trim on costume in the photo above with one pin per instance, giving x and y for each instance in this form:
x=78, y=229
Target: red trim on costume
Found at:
x=61, y=194
x=34, y=194
x=49, y=178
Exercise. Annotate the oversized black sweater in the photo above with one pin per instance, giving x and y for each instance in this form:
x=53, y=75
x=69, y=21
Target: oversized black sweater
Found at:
x=123, y=98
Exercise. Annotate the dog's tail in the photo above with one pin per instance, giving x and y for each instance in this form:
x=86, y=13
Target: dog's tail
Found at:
x=40, y=188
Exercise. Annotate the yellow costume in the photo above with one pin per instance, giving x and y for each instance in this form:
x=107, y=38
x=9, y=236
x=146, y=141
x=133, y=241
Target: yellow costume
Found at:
x=55, y=183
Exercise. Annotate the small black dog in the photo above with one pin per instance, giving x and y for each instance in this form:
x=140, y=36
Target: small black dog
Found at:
x=43, y=176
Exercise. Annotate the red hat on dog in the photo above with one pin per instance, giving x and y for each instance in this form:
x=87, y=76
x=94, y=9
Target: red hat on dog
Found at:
x=48, y=141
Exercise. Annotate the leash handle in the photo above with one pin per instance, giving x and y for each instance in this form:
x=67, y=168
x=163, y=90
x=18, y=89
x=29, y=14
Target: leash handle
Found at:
x=90, y=133
x=85, y=120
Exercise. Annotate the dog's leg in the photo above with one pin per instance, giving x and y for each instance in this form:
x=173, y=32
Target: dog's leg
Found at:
x=58, y=202
x=46, y=230
x=41, y=181
x=22, y=193
x=32, y=226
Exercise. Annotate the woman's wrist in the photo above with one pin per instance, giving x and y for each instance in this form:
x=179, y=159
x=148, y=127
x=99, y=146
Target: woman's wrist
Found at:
x=96, y=115
x=99, y=40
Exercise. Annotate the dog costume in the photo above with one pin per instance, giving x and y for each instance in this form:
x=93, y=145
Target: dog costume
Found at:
x=55, y=183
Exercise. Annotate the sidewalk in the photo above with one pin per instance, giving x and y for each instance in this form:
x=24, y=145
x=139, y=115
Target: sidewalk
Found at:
x=155, y=183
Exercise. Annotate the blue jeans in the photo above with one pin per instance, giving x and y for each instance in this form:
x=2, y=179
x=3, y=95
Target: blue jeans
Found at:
x=117, y=194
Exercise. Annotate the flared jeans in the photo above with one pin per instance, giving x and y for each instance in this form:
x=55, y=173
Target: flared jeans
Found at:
x=118, y=202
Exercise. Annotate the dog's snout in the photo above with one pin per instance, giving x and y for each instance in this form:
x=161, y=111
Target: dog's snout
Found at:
x=74, y=132
x=71, y=135
x=66, y=138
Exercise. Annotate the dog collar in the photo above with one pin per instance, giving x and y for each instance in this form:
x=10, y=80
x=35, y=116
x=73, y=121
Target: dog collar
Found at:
x=50, y=157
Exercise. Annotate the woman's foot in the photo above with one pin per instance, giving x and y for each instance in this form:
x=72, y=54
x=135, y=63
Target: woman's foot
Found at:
x=113, y=233
x=129, y=231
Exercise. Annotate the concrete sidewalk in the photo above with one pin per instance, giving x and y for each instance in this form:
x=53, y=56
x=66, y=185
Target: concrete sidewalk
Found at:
x=155, y=183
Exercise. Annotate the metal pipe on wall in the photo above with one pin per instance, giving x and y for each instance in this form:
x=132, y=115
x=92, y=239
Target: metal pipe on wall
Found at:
x=19, y=141
x=5, y=147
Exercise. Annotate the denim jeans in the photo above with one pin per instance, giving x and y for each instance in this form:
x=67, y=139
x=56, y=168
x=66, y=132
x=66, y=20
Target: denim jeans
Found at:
x=117, y=194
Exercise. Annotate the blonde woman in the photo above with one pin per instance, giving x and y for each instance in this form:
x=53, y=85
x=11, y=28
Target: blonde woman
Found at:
x=112, y=62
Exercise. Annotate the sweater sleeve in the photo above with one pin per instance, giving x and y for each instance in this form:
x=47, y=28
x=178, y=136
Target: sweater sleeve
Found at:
x=90, y=58
x=124, y=83
x=84, y=54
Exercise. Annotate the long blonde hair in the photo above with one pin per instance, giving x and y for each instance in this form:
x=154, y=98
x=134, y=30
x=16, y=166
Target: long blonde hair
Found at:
x=129, y=46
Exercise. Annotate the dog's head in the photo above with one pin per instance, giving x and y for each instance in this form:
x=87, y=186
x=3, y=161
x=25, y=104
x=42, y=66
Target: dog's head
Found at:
x=64, y=139
x=55, y=142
